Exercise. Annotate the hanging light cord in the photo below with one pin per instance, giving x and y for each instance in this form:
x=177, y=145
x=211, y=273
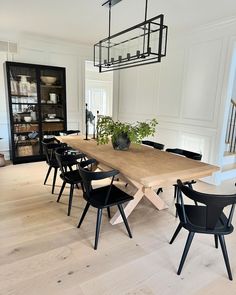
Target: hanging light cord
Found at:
x=146, y=5
x=109, y=33
x=145, y=18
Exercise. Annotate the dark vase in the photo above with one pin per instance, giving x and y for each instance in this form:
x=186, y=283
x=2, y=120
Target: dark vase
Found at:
x=121, y=142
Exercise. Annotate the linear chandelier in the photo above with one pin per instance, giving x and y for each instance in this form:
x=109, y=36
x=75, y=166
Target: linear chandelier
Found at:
x=144, y=43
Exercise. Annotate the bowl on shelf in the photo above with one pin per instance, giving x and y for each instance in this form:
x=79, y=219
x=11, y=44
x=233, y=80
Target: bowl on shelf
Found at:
x=48, y=80
x=52, y=116
x=27, y=119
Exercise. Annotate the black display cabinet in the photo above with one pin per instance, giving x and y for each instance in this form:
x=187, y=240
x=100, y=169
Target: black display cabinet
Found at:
x=37, y=107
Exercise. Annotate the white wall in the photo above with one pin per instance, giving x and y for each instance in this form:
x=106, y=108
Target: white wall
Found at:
x=48, y=52
x=188, y=92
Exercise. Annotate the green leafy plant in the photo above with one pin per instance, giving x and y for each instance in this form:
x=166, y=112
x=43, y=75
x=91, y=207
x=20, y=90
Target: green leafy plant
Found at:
x=107, y=128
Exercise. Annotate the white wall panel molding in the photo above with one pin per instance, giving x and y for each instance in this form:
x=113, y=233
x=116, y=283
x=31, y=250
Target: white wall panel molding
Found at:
x=219, y=26
x=148, y=82
x=31, y=55
x=32, y=41
x=128, y=90
x=132, y=117
x=116, y=94
x=201, y=78
x=198, y=140
x=171, y=83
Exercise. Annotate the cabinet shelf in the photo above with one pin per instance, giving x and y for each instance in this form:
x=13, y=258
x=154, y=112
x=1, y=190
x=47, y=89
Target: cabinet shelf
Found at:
x=24, y=123
x=51, y=104
x=23, y=95
x=27, y=102
x=51, y=86
x=23, y=132
x=52, y=121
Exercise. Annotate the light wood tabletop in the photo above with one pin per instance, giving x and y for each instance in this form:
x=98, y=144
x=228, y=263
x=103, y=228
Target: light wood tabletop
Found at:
x=145, y=167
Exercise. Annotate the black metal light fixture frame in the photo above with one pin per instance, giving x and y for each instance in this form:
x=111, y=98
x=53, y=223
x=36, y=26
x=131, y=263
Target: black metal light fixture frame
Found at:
x=150, y=34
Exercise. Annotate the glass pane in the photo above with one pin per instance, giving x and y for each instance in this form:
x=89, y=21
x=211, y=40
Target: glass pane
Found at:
x=23, y=82
x=52, y=128
x=25, y=148
x=26, y=140
x=25, y=113
x=52, y=97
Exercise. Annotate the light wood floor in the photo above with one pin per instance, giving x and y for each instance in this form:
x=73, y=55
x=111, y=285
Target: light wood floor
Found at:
x=42, y=251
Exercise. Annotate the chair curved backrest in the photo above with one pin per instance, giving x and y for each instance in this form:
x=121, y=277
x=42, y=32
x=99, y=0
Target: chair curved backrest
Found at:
x=185, y=153
x=49, y=149
x=65, y=158
x=158, y=146
x=68, y=132
x=148, y=142
x=50, y=140
x=154, y=144
x=214, y=203
x=89, y=176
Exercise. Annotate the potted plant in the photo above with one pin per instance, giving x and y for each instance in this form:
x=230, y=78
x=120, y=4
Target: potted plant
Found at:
x=122, y=134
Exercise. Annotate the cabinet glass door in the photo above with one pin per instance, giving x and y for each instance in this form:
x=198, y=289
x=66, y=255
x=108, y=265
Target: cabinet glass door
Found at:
x=52, y=100
x=24, y=110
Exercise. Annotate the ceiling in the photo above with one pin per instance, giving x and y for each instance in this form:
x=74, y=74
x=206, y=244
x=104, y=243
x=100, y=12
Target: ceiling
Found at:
x=86, y=21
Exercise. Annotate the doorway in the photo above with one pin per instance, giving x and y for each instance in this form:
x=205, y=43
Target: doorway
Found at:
x=98, y=90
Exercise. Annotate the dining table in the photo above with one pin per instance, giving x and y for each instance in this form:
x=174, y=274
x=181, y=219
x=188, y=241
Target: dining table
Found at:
x=145, y=168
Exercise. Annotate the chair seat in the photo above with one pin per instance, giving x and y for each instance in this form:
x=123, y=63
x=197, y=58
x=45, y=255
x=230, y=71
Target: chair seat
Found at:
x=71, y=177
x=117, y=196
x=196, y=216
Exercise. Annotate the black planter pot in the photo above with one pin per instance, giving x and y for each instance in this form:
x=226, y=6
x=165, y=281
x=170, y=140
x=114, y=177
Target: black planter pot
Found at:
x=121, y=142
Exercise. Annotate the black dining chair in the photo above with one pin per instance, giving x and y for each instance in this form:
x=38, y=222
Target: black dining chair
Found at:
x=154, y=144
x=71, y=131
x=187, y=154
x=68, y=162
x=49, y=147
x=103, y=197
x=208, y=219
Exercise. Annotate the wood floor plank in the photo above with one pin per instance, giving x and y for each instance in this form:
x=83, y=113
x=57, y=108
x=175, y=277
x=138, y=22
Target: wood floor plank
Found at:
x=42, y=251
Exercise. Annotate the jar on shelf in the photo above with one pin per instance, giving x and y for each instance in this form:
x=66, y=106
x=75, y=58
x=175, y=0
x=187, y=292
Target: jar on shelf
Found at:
x=33, y=115
x=24, y=85
x=33, y=89
x=14, y=87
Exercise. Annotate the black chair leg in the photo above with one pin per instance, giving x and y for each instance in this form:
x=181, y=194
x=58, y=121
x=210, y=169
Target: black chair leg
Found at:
x=175, y=191
x=77, y=185
x=109, y=212
x=83, y=215
x=70, y=199
x=124, y=219
x=61, y=191
x=99, y=219
x=54, y=180
x=176, y=233
x=225, y=254
x=160, y=190
x=186, y=249
x=46, y=178
x=216, y=241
